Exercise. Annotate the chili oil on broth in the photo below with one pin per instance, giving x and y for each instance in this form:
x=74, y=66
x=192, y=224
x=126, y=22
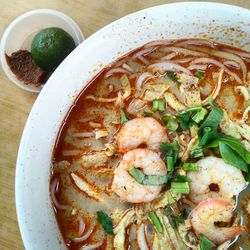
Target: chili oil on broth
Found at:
x=79, y=156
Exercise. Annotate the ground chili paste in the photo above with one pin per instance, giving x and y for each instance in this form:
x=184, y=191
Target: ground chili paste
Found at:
x=25, y=69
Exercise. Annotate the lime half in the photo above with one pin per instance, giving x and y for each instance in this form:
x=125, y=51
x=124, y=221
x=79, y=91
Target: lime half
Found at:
x=50, y=46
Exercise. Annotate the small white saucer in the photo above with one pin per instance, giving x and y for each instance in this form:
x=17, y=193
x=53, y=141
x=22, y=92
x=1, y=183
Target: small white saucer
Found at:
x=19, y=34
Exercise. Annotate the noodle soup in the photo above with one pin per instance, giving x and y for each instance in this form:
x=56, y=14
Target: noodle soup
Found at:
x=154, y=148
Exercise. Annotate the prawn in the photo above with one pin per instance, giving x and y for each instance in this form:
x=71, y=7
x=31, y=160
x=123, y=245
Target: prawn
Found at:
x=141, y=131
x=125, y=186
x=215, y=179
x=209, y=211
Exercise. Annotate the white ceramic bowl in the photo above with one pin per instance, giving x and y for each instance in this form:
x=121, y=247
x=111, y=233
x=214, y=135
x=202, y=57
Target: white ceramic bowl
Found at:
x=181, y=20
x=20, y=32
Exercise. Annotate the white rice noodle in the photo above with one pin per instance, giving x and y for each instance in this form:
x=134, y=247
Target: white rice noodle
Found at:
x=196, y=42
x=134, y=75
x=143, y=52
x=127, y=67
x=95, y=124
x=81, y=226
x=142, y=59
x=232, y=64
x=228, y=56
x=83, y=237
x=85, y=186
x=183, y=51
x=100, y=133
x=232, y=57
x=185, y=60
x=116, y=70
x=100, y=99
x=169, y=56
x=216, y=90
x=239, y=53
x=245, y=114
x=119, y=100
x=54, y=189
x=90, y=247
x=141, y=238
x=71, y=152
x=82, y=135
x=201, y=67
x=157, y=43
x=168, y=66
x=205, y=60
x=142, y=79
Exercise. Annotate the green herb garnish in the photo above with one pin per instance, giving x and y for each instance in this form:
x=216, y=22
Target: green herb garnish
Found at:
x=170, y=149
x=170, y=163
x=172, y=76
x=143, y=179
x=206, y=244
x=156, y=221
x=190, y=166
x=105, y=221
x=158, y=105
x=148, y=113
x=232, y=157
x=196, y=152
x=124, y=117
x=200, y=115
x=200, y=75
x=185, y=120
x=180, y=187
x=213, y=119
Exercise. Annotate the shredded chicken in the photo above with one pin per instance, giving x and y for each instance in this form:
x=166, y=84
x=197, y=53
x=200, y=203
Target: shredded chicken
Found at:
x=190, y=145
x=216, y=90
x=86, y=187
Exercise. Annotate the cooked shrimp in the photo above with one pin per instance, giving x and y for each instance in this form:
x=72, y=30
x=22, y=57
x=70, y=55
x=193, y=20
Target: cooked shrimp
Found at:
x=127, y=187
x=141, y=131
x=209, y=211
x=215, y=179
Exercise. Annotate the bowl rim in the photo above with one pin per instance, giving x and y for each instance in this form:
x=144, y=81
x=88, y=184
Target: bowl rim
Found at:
x=25, y=234
x=71, y=23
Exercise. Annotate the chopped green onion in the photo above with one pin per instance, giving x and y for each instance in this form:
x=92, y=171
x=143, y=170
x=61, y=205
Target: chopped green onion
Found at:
x=193, y=109
x=143, y=179
x=200, y=115
x=148, y=113
x=188, y=166
x=196, y=152
x=170, y=163
x=137, y=174
x=124, y=117
x=167, y=118
x=206, y=244
x=172, y=125
x=105, y=221
x=199, y=75
x=180, y=187
x=156, y=221
x=158, y=105
x=172, y=76
x=181, y=178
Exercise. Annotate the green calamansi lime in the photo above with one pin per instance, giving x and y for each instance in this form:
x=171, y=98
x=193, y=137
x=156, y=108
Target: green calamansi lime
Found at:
x=50, y=46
